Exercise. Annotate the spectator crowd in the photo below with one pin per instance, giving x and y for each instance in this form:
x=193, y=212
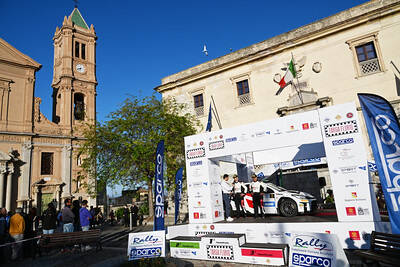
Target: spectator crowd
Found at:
x=19, y=232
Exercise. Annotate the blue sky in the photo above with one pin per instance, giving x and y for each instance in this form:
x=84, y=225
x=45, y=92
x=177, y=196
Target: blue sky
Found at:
x=140, y=42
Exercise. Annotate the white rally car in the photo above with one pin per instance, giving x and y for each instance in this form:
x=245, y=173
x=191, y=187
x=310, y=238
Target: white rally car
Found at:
x=278, y=200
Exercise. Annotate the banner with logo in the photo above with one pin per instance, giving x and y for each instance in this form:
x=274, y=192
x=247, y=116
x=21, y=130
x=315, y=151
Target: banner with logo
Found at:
x=159, y=188
x=316, y=249
x=178, y=192
x=384, y=133
x=146, y=245
x=347, y=161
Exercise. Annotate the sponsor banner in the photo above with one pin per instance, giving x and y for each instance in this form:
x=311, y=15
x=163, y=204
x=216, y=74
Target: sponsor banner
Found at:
x=183, y=244
x=146, y=245
x=316, y=249
x=343, y=141
x=341, y=128
x=276, y=257
x=196, y=163
x=384, y=134
x=347, y=161
x=196, y=153
x=178, y=192
x=310, y=260
x=220, y=252
x=186, y=253
x=159, y=188
x=265, y=253
x=216, y=145
x=298, y=163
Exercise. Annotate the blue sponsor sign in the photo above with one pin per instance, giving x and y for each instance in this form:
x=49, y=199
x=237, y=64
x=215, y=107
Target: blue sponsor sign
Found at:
x=178, y=192
x=159, y=188
x=310, y=260
x=232, y=139
x=269, y=204
x=138, y=253
x=196, y=163
x=306, y=161
x=372, y=167
x=384, y=134
x=343, y=141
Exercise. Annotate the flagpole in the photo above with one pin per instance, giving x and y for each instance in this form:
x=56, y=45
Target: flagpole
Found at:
x=297, y=78
x=391, y=62
x=216, y=113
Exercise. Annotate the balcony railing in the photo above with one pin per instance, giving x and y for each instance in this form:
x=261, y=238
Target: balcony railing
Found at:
x=370, y=66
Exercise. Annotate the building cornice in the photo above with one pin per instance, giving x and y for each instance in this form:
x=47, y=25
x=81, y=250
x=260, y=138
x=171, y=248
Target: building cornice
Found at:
x=43, y=135
x=321, y=28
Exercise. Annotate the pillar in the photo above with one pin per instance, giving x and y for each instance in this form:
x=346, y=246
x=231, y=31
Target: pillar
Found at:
x=24, y=193
x=2, y=174
x=66, y=170
x=9, y=189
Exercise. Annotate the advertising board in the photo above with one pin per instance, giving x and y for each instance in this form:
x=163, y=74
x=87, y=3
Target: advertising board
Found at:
x=146, y=245
x=188, y=249
x=266, y=256
x=316, y=249
x=347, y=161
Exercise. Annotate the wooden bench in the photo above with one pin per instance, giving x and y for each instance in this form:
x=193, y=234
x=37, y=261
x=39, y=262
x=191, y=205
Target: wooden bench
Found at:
x=58, y=240
x=385, y=248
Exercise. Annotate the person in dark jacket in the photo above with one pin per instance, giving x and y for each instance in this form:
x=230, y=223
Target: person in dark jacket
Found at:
x=126, y=217
x=75, y=209
x=49, y=219
x=134, y=211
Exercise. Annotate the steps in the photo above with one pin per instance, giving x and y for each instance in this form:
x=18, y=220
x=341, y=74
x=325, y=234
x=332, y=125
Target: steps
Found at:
x=229, y=248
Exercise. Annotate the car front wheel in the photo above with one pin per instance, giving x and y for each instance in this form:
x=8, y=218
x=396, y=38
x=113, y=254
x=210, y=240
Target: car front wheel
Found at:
x=288, y=208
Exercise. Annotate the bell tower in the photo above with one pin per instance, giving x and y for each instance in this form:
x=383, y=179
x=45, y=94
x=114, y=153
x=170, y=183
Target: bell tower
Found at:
x=74, y=77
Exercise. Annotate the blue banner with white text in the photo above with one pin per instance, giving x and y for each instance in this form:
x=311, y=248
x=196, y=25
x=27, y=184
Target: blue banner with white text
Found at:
x=159, y=188
x=384, y=134
x=178, y=192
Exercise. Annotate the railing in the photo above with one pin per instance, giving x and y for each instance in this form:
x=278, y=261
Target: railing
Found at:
x=244, y=99
x=370, y=66
x=199, y=111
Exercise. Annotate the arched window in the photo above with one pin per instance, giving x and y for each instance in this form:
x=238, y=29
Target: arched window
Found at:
x=79, y=106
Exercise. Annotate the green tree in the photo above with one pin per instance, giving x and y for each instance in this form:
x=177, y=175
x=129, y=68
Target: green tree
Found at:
x=122, y=149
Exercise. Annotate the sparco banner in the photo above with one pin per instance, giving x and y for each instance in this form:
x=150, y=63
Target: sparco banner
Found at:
x=178, y=192
x=159, y=188
x=384, y=133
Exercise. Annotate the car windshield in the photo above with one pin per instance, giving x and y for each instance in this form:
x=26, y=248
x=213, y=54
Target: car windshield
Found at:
x=277, y=188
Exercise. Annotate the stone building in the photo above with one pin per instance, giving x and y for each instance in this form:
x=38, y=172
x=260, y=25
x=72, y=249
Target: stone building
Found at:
x=38, y=157
x=335, y=58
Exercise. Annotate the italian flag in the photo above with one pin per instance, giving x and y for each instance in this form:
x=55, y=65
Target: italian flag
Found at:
x=289, y=76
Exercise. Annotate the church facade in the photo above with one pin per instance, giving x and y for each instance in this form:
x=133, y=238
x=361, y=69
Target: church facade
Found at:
x=39, y=160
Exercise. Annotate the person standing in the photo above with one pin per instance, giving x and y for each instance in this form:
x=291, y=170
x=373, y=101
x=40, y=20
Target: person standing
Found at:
x=126, y=216
x=239, y=189
x=67, y=217
x=49, y=219
x=3, y=235
x=226, y=193
x=257, y=193
x=134, y=211
x=112, y=217
x=75, y=210
x=17, y=229
x=85, y=216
